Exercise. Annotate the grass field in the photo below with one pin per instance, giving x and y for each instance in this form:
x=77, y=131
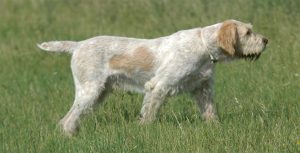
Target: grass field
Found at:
x=258, y=103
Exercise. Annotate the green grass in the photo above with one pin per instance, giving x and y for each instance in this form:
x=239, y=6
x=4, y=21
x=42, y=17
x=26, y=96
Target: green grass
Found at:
x=258, y=103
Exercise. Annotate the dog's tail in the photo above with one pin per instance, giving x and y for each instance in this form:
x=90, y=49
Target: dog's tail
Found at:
x=59, y=46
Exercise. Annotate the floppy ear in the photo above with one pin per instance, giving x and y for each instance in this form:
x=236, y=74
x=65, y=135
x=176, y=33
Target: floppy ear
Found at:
x=227, y=37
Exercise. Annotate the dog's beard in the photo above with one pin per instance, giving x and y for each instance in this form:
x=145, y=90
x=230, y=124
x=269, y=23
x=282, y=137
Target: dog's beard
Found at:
x=250, y=57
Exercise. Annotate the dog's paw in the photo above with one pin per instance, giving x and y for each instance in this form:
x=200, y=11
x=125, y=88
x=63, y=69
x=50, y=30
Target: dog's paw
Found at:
x=143, y=119
x=210, y=117
x=69, y=130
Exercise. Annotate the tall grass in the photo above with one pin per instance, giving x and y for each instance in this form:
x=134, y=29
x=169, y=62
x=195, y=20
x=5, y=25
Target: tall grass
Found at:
x=258, y=103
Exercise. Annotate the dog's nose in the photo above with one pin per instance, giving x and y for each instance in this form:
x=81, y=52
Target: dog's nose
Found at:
x=265, y=40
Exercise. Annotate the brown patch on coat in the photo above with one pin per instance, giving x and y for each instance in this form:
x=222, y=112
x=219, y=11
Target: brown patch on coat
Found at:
x=227, y=37
x=140, y=59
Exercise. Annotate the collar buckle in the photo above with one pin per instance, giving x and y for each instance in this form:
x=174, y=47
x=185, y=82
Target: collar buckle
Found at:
x=213, y=59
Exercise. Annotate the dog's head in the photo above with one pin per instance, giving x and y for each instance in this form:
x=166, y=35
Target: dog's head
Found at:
x=236, y=39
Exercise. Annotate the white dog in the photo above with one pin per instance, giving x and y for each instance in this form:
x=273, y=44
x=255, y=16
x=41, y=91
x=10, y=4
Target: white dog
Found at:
x=161, y=67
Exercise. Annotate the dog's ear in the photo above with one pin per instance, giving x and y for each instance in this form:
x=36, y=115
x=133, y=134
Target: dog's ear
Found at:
x=227, y=37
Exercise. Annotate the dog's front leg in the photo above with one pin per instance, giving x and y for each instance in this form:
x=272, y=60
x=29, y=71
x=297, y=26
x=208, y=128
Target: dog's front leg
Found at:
x=154, y=97
x=204, y=99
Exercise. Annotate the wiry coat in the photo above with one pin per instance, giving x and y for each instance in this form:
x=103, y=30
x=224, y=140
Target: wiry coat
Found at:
x=183, y=61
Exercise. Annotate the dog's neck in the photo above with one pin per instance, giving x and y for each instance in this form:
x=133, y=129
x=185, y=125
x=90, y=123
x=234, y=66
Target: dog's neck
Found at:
x=210, y=43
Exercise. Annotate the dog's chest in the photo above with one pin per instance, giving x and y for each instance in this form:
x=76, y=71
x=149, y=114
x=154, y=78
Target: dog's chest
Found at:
x=195, y=79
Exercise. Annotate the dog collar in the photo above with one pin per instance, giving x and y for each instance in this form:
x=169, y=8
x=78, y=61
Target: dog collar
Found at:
x=212, y=58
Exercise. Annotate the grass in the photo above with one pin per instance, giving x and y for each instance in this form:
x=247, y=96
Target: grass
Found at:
x=258, y=103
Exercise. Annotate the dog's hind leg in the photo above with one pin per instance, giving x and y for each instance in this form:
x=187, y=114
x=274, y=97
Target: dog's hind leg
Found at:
x=87, y=95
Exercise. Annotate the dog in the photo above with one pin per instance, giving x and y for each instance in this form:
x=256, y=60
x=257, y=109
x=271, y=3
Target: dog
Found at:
x=161, y=67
